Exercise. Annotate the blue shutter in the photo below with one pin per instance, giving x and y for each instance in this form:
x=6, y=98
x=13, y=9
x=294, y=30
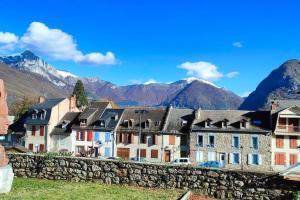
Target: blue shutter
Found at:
x=96, y=136
x=107, y=152
x=107, y=137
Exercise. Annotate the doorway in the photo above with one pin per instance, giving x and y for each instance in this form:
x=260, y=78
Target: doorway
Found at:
x=167, y=156
x=222, y=159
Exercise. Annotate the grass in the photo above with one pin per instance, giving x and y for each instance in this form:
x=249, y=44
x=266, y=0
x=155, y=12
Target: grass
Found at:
x=28, y=189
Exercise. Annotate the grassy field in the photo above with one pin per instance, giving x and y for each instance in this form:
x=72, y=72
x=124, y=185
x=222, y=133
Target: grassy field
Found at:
x=29, y=189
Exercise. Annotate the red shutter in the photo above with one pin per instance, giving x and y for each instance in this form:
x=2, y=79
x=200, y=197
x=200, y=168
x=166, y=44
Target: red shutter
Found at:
x=89, y=136
x=77, y=135
x=279, y=158
x=293, y=142
x=30, y=146
x=33, y=130
x=42, y=147
x=42, y=128
x=279, y=141
x=293, y=159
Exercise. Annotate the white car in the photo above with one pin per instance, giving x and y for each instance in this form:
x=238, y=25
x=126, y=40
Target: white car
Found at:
x=181, y=161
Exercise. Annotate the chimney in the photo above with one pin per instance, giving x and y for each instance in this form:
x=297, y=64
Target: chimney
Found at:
x=197, y=113
x=274, y=106
x=72, y=102
x=41, y=99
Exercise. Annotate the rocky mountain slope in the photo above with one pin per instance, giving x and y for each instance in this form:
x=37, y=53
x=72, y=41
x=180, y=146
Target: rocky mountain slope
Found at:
x=190, y=93
x=282, y=83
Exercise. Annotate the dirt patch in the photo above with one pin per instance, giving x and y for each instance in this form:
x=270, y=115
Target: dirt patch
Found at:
x=194, y=196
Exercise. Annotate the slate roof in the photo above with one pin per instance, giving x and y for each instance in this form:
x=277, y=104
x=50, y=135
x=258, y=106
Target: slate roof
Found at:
x=257, y=121
x=64, y=127
x=156, y=117
x=110, y=117
x=47, y=106
x=283, y=104
x=175, y=119
x=92, y=113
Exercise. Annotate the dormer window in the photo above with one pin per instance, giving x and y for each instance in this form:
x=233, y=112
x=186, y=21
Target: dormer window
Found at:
x=243, y=124
x=207, y=123
x=102, y=123
x=65, y=123
x=225, y=123
x=157, y=123
x=34, y=115
x=43, y=114
x=131, y=122
x=83, y=122
x=126, y=123
x=115, y=117
x=183, y=123
x=147, y=123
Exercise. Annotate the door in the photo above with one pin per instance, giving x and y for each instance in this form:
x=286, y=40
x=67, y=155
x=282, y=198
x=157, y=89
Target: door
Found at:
x=167, y=155
x=96, y=152
x=123, y=153
x=222, y=159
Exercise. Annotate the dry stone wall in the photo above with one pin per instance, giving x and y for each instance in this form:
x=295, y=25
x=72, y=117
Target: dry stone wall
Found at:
x=222, y=184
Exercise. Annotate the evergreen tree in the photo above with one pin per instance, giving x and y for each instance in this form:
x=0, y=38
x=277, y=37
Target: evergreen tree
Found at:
x=80, y=94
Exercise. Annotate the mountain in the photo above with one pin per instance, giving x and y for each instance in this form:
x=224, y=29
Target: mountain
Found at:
x=199, y=94
x=281, y=83
x=190, y=92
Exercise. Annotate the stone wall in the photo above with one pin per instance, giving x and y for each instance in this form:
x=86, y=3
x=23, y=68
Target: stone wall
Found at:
x=215, y=183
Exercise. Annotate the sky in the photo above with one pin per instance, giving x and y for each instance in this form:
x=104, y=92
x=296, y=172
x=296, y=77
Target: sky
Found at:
x=234, y=44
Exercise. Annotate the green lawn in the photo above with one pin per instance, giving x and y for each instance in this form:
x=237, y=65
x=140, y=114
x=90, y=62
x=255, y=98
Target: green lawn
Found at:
x=33, y=189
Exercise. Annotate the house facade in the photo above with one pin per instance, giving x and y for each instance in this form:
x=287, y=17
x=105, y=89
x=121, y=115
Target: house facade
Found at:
x=42, y=118
x=236, y=139
x=95, y=132
x=286, y=134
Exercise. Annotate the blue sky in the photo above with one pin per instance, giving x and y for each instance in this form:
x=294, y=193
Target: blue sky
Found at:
x=234, y=44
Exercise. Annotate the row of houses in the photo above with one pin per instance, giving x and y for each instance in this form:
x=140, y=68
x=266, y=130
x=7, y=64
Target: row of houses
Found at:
x=252, y=140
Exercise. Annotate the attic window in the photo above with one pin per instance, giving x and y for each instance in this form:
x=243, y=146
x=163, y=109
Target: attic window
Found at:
x=83, y=122
x=102, y=123
x=126, y=123
x=34, y=115
x=225, y=124
x=130, y=124
x=147, y=124
x=65, y=123
x=243, y=124
x=183, y=123
x=115, y=117
x=157, y=123
x=43, y=114
x=208, y=123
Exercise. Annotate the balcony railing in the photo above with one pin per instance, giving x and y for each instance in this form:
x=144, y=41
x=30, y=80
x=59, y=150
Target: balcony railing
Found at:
x=288, y=128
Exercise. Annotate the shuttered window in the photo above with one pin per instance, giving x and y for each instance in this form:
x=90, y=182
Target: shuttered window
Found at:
x=89, y=136
x=33, y=130
x=143, y=153
x=30, y=146
x=172, y=139
x=279, y=158
x=293, y=159
x=77, y=135
x=96, y=136
x=293, y=142
x=107, y=137
x=154, y=139
x=42, y=147
x=154, y=153
x=279, y=141
x=144, y=138
x=42, y=130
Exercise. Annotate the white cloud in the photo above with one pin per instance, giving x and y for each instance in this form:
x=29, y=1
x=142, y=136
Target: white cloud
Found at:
x=237, y=44
x=245, y=94
x=202, y=70
x=150, y=81
x=232, y=74
x=6, y=38
x=56, y=44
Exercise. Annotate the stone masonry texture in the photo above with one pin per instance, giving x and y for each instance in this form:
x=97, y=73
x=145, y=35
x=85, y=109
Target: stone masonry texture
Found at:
x=221, y=184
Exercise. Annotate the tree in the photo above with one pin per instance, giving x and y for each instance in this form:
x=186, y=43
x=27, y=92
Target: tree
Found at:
x=80, y=94
x=20, y=107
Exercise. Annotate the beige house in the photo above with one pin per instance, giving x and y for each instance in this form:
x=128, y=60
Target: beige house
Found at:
x=236, y=139
x=286, y=134
x=42, y=119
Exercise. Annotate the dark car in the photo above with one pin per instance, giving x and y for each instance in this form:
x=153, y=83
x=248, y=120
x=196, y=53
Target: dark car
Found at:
x=213, y=164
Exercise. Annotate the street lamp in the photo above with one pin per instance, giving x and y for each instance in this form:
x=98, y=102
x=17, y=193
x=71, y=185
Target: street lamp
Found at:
x=140, y=112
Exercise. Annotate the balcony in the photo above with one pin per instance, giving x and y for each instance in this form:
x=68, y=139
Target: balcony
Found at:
x=288, y=128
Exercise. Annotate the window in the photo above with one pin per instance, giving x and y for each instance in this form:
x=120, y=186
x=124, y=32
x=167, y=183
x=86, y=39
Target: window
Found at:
x=33, y=130
x=96, y=136
x=157, y=123
x=211, y=141
x=225, y=124
x=42, y=130
x=30, y=146
x=102, y=123
x=172, y=139
x=255, y=159
x=279, y=141
x=34, y=115
x=130, y=123
x=83, y=122
x=199, y=156
x=154, y=139
x=236, y=158
x=79, y=149
x=254, y=142
x=200, y=140
x=279, y=158
x=143, y=153
x=154, y=153
x=42, y=147
x=236, y=141
x=107, y=137
x=107, y=152
x=183, y=123
x=43, y=114
x=82, y=136
x=147, y=123
x=243, y=124
x=125, y=123
x=211, y=156
x=257, y=122
x=293, y=159
x=89, y=136
x=144, y=138
x=293, y=142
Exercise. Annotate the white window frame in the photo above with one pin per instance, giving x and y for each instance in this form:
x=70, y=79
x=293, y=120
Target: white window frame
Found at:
x=251, y=142
x=197, y=139
x=239, y=141
x=208, y=143
x=199, y=156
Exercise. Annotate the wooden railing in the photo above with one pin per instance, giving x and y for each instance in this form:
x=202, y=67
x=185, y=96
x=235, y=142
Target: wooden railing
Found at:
x=288, y=128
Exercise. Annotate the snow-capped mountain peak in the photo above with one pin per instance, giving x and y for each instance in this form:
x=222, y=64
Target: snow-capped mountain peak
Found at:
x=191, y=79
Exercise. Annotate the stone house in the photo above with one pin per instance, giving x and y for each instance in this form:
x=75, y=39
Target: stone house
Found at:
x=237, y=139
x=42, y=118
x=286, y=133
x=177, y=128
x=151, y=141
x=95, y=130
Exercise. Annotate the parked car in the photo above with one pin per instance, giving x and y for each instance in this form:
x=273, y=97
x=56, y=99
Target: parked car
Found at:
x=113, y=158
x=213, y=164
x=181, y=161
x=137, y=159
